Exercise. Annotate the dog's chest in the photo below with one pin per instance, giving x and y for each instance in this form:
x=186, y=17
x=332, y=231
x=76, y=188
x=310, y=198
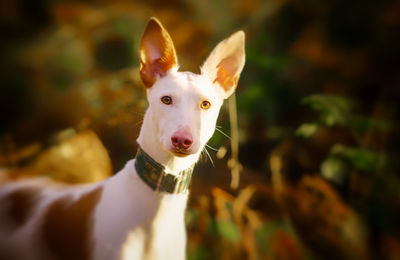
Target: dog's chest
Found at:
x=165, y=237
x=134, y=222
x=168, y=231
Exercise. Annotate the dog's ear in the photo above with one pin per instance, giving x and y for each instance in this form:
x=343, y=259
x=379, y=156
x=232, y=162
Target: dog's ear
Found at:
x=157, y=53
x=225, y=63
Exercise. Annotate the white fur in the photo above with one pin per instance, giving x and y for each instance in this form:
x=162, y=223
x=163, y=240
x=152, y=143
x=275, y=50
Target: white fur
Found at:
x=187, y=90
x=148, y=225
x=131, y=221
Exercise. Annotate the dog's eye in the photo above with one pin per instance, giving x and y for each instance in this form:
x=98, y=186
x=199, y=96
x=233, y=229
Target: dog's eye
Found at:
x=166, y=100
x=205, y=105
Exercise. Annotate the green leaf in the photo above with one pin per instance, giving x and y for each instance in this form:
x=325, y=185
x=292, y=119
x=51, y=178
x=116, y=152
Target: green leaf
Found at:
x=333, y=110
x=364, y=123
x=228, y=230
x=307, y=130
x=191, y=216
x=198, y=253
x=334, y=169
x=360, y=158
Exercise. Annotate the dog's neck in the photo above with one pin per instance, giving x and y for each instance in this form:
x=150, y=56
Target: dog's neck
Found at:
x=149, y=143
x=153, y=173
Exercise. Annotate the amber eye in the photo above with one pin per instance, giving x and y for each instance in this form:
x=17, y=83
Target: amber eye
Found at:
x=205, y=105
x=166, y=100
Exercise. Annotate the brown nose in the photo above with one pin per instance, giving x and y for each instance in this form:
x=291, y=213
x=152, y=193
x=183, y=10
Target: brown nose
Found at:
x=182, y=139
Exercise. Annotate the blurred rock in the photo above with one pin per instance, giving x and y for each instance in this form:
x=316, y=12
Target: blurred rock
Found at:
x=80, y=158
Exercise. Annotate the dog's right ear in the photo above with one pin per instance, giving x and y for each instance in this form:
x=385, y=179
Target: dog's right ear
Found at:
x=225, y=63
x=157, y=53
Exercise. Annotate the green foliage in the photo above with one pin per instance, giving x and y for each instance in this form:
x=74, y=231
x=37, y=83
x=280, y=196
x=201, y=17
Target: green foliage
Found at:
x=336, y=111
x=276, y=239
x=342, y=159
x=199, y=252
x=264, y=233
x=333, y=110
x=228, y=230
x=334, y=169
x=359, y=158
x=68, y=63
x=363, y=123
x=190, y=216
x=307, y=130
x=273, y=62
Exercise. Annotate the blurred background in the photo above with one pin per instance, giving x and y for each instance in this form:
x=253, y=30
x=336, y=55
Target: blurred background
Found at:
x=317, y=108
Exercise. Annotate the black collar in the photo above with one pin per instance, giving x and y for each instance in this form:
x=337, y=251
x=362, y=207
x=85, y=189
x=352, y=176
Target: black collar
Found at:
x=153, y=173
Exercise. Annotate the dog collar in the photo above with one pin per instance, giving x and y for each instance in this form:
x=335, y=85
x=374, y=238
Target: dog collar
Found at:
x=153, y=173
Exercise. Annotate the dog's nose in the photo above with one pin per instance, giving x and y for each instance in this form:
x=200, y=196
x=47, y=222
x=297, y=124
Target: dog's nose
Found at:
x=182, y=139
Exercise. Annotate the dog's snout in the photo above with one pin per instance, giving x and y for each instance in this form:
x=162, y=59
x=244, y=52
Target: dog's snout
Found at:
x=182, y=140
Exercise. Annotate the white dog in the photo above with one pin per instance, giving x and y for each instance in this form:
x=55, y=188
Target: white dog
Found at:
x=139, y=212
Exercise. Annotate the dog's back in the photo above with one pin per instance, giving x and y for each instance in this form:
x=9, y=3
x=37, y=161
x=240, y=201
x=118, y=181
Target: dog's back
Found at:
x=119, y=218
x=40, y=219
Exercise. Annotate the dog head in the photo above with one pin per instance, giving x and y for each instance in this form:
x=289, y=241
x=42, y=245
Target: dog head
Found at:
x=184, y=106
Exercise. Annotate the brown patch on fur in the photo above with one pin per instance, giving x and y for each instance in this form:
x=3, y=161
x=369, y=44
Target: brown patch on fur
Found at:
x=19, y=205
x=68, y=225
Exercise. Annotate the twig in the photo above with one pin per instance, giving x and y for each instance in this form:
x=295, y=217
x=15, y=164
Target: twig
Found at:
x=234, y=160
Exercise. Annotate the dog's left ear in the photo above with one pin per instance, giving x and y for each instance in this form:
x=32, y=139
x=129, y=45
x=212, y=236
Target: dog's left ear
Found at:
x=225, y=63
x=157, y=53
